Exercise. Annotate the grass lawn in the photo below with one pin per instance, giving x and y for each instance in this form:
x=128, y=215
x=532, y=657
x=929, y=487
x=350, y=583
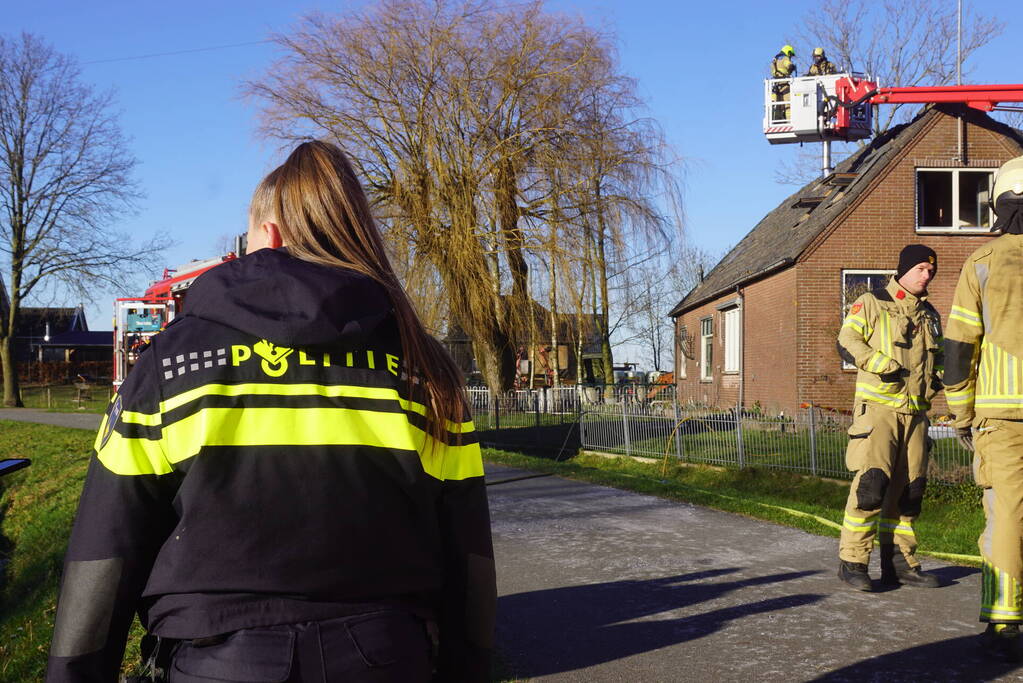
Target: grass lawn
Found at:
x=37, y=506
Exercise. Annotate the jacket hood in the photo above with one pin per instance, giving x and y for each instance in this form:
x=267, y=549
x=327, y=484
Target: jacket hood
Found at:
x=290, y=302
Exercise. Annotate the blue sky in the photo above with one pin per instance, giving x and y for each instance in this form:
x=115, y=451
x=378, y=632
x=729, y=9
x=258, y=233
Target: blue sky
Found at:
x=699, y=67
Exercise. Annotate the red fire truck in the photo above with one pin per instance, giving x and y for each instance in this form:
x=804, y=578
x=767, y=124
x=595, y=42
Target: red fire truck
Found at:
x=137, y=319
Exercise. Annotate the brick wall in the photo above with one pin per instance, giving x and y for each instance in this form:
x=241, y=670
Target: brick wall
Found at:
x=768, y=352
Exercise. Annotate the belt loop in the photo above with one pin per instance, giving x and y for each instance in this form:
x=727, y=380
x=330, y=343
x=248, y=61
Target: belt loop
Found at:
x=309, y=653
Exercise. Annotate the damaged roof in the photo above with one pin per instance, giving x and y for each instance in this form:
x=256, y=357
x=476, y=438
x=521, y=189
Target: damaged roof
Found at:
x=781, y=236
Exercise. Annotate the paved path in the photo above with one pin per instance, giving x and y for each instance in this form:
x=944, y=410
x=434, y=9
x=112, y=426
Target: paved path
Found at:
x=76, y=420
x=597, y=584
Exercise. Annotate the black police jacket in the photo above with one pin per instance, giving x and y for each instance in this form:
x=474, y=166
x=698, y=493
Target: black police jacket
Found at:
x=263, y=463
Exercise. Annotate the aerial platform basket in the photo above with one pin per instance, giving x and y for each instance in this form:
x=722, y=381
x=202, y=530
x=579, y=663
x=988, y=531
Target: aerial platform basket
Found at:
x=813, y=111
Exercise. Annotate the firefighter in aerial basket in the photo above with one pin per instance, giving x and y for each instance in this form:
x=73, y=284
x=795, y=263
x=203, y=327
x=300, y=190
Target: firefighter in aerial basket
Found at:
x=782, y=67
x=893, y=336
x=984, y=387
x=287, y=486
x=821, y=66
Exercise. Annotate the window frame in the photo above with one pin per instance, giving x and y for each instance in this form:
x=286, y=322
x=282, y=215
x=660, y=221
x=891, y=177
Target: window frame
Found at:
x=707, y=348
x=954, y=229
x=681, y=341
x=846, y=305
x=727, y=341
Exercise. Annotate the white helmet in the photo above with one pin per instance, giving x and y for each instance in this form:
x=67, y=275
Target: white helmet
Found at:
x=1008, y=178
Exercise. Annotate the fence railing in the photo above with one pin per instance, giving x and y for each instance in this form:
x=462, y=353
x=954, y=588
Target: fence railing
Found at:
x=811, y=441
x=92, y=398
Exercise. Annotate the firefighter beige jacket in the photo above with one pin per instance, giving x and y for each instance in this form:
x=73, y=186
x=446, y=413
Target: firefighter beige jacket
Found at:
x=985, y=344
x=894, y=339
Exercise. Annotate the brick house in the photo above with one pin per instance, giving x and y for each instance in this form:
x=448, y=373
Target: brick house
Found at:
x=760, y=328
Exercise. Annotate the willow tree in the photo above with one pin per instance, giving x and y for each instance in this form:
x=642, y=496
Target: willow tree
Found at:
x=449, y=109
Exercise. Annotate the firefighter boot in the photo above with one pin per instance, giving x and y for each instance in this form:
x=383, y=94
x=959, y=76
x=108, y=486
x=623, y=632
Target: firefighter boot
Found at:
x=895, y=570
x=855, y=575
x=1001, y=642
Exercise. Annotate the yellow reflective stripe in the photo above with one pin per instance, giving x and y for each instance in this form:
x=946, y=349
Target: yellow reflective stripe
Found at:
x=451, y=463
x=858, y=523
x=867, y=392
x=877, y=361
x=147, y=419
x=1005, y=402
x=325, y=390
x=984, y=371
x=318, y=427
x=129, y=456
x=965, y=315
x=961, y=397
x=856, y=322
x=266, y=389
x=897, y=526
x=886, y=333
x=863, y=392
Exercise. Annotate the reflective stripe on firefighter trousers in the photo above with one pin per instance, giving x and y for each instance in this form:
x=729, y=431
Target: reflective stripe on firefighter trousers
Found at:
x=998, y=467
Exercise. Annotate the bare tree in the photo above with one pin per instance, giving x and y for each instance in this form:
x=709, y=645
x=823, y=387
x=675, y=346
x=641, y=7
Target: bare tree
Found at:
x=653, y=288
x=898, y=43
x=65, y=173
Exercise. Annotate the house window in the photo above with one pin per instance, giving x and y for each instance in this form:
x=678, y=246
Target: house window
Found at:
x=856, y=283
x=682, y=350
x=953, y=200
x=732, y=340
x=706, y=348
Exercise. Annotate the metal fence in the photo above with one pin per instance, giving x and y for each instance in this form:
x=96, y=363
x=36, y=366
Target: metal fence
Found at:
x=812, y=441
x=524, y=408
x=67, y=397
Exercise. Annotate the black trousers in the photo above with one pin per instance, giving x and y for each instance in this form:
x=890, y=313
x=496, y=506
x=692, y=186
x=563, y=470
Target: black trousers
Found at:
x=388, y=646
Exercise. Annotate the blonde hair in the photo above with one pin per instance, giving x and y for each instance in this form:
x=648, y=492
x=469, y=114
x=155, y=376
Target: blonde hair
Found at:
x=322, y=213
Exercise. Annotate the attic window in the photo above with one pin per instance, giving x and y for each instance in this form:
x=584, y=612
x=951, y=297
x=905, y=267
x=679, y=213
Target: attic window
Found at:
x=953, y=200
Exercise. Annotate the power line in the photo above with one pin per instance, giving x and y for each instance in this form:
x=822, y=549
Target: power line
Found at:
x=176, y=52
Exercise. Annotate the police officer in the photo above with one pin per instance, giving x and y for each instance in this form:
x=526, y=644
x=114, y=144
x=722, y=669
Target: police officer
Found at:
x=287, y=486
x=821, y=66
x=984, y=386
x=893, y=336
x=782, y=66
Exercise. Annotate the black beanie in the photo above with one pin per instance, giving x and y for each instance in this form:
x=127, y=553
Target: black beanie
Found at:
x=913, y=254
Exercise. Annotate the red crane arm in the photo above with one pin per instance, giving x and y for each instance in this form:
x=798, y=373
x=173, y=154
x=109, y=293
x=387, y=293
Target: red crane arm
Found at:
x=983, y=97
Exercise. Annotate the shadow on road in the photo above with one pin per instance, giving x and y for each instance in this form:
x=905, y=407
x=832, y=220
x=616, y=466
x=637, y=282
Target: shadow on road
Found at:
x=563, y=629
x=956, y=659
x=950, y=575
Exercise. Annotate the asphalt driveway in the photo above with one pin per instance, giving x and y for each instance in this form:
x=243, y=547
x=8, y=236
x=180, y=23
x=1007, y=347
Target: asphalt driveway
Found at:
x=597, y=584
